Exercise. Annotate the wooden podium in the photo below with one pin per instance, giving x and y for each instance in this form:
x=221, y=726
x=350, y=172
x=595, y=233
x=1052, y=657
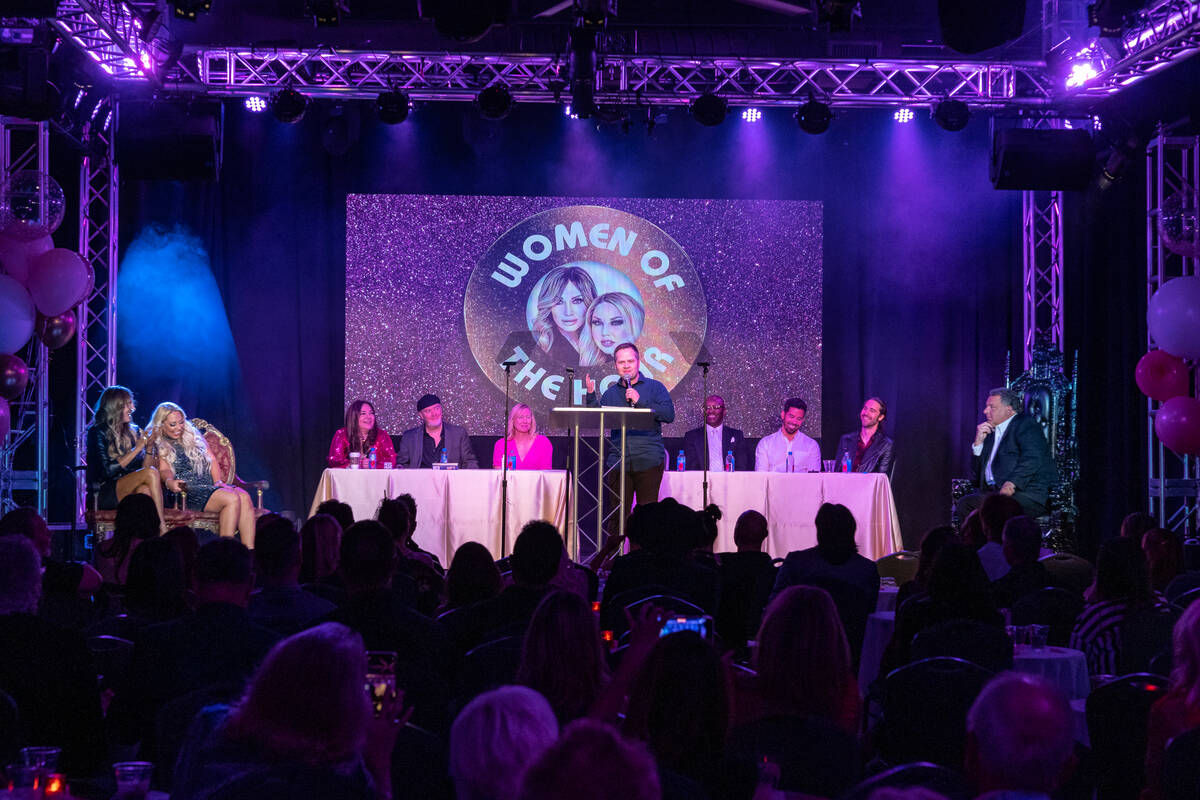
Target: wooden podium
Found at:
x=580, y=419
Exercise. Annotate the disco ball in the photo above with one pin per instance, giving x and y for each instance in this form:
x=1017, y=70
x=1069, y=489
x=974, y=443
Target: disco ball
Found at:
x=31, y=205
x=1178, y=225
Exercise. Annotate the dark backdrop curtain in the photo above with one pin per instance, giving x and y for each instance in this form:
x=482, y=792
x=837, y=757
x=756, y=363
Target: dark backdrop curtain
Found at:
x=921, y=281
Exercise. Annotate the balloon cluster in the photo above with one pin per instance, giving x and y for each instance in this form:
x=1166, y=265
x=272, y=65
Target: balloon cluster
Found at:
x=1164, y=374
x=39, y=283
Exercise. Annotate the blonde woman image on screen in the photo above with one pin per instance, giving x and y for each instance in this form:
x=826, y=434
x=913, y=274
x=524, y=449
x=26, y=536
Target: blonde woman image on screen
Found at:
x=612, y=318
x=562, y=304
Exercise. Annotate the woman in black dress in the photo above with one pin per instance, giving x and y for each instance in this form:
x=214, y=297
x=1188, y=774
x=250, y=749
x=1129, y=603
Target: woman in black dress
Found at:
x=115, y=450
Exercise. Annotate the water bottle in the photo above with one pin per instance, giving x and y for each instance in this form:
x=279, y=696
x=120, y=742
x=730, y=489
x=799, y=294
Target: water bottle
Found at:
x=729, y=461
x=846, y=462
x=443, y=455
x=371, y=458
x=512, y=462
x=680, y=462
x=789, y=463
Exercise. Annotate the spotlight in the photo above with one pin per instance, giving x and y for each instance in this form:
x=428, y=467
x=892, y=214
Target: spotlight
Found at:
x=188, y=9
x=324, y=13
x=495, y=102
x=256, y=104
x=708, y=109
x=751, y=115
x=814, y=117
x=1081, y=73
x=392, y=107
x=288, y=105
x=569, y=113
x=953, y=115
x=903, y=115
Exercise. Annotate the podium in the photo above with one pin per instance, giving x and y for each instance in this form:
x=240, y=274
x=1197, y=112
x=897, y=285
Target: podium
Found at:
x=579, y=419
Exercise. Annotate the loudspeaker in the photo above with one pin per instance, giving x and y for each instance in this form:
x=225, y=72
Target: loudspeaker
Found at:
x=1023, y=158
x=159, y=141
x=969, y=26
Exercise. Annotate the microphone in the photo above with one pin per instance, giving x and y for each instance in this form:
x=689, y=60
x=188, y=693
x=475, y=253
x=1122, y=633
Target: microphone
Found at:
x=508, y=364
x=703, y=363
x=625, y=385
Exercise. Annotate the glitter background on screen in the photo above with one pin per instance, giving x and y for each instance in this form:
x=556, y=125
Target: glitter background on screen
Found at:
x=409, y=257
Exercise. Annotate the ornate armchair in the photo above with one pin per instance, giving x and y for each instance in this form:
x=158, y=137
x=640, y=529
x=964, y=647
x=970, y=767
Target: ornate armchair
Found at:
x=1049, y=396
x=100, y=521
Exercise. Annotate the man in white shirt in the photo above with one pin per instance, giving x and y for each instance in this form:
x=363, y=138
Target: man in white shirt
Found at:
x=788, y=450
x=722, y=440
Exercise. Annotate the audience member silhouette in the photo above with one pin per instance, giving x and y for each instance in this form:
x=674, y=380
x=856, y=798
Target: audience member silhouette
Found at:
x=747, y=578
x=562, y=656
x=472, y=577
x=387, y=622
x=342, y=512
x=1122, y=587
x=1020, y=738
x=47, y=670
x=155, y=591
x=302, y=728
x=995, y=510
x=135, y=522
x=1164, y=556
x=320, y=538
x=1179, y=710
x=279, y=603
x=592, y=761
x=931, y=544
x=1026, y=574
x=496, y=738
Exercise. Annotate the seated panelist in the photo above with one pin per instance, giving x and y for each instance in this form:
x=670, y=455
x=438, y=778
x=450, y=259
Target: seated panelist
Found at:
x=361, y=433
x=523, y=442
x=722, y=440
x=435, y=440
x=869, y=449
x=116, y=463
x=187, y=467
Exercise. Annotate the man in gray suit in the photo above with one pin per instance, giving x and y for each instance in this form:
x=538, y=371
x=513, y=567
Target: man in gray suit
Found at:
x=426, y=444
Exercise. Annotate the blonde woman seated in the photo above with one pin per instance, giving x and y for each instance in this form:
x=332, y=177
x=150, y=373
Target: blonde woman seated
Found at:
x=187, y=468
x=116, y=450
x=531, y=450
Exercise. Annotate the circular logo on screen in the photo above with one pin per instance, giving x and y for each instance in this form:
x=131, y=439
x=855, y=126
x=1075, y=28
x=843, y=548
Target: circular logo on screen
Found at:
x=560, y=290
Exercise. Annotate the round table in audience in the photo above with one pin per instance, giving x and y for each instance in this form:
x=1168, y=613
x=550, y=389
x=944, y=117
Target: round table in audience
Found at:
x=879, y=632
x=887, y=597
x=1062, y=666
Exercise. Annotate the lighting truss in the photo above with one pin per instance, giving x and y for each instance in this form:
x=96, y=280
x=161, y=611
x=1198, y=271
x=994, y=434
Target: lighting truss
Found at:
x=111, y=33
x=623, y=78
x=1165, y=34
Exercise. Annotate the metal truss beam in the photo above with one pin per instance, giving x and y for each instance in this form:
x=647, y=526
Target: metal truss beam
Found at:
x=1042, y=261
x=116, y=35
x=1166, y=34
x=24, y=455
x=1172, y=167
x=659, y=80
x=96, y=337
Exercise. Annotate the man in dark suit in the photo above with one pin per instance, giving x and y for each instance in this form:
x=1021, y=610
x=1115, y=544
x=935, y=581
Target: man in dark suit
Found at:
x=721, y=439
x=424, y=445
x=1010, y=456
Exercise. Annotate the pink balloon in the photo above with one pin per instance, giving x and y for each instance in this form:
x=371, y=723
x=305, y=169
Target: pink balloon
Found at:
x=5, y=422
x=16, y=315
x=16, y=256
x=1162, y=376
x=1177, y=425
x=58, y=280
x=14, y=376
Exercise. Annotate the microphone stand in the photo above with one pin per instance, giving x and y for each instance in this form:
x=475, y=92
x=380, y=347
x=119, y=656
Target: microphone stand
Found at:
x=508, y=365
x=704, y=365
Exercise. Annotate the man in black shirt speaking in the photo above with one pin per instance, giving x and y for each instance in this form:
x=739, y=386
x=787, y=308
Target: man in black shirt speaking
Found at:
x=644, y=449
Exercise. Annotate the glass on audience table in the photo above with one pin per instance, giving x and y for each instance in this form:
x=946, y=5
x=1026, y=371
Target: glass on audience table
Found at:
x=42, y=758
x=1038, y=635
x=20, y=777
x=133, y=779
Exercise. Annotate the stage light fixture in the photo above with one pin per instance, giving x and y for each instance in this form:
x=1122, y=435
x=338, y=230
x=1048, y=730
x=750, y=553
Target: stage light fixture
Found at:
x=188, y=9
x=495, y=102
x=288, y=105
x=324, y=13
x=581, y=71
x=751, y=115
x=814, y=116
x=952, y=115
x=903, y=115
x=255, y=103
x=709, y=109
x=569, y=113
x=392, y=107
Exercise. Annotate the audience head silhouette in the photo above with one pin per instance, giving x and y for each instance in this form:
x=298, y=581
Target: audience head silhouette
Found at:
x=277, y=550
x=835, y=533
x=367, y=556
x=750, y=531
x=592, y=761
x=536, y=554
x=20, y=576
x=495, y=738
x=224, y=572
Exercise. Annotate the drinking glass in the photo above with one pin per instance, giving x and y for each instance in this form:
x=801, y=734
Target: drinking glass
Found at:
x=355, y=458
x=829, y=466
x=44, y=758
x=133, y=779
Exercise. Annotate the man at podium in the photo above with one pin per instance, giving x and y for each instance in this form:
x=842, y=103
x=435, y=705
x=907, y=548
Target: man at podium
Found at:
x=644, y=448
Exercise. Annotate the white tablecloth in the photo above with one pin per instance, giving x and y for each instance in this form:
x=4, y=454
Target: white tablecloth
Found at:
x=790, y=503
x=888, y=592
x=879, y=632
x=453, y=506
x=1062, y=666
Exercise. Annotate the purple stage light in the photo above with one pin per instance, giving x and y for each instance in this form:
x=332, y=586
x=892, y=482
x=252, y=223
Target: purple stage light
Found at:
x=751, y=115
x=256, y=104
x=1081, y=73
x=568, y=112
x=903, y=115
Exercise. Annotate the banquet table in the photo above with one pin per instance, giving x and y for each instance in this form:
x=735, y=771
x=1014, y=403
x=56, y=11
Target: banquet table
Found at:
x=790, y=502
x=1062, y=666
x=453, y=506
